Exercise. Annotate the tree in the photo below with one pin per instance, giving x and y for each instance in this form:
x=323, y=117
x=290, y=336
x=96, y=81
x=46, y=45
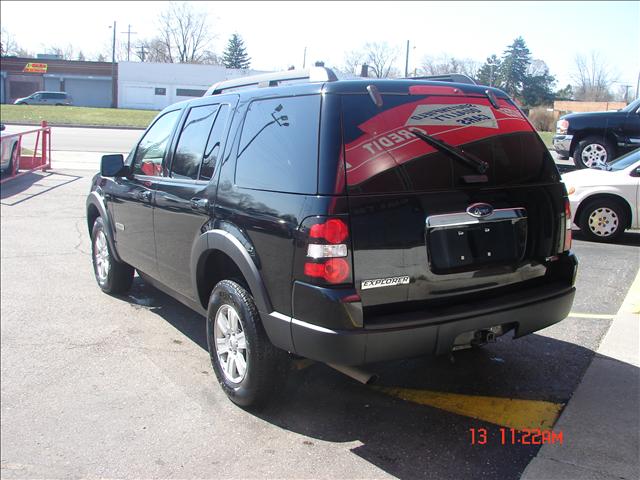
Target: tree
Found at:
x=537, y=86
x=81, y=56
x=380, y=58
x=235, y=56
x=593, y=78
x=488, y=73
x=66, y=53
x=9, y=45
x=184, y=34
x=101, y=58
x=565, y=93
x=352, y=62
x=513, y=68
x=446, y=64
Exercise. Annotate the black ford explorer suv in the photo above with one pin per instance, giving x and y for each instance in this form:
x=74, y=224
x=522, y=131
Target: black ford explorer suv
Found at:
x=347, y=222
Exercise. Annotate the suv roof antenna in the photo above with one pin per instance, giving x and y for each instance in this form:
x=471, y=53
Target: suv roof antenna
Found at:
x=313, y=74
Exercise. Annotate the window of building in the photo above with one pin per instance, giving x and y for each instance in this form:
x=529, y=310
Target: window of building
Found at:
x=189, y=92
x=278, y=148
x=160, y=91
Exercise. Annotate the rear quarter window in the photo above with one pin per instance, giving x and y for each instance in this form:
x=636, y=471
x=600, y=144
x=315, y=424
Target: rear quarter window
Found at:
x=278, y=149
x=383, y=156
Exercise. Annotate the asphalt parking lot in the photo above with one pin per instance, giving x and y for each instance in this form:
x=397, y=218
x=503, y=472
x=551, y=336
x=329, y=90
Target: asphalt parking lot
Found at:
x=99, y=386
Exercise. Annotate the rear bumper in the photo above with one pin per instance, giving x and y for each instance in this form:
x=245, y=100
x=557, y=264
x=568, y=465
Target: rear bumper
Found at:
x=340, y=335
x=357, y=347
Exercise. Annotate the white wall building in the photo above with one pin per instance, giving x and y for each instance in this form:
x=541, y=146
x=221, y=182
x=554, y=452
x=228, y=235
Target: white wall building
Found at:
x=153, y=86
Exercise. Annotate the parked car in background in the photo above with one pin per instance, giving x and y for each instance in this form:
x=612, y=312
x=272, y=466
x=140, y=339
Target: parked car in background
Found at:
x=9, y=155
x=595, y=138
x=45, y=98
x=605, y=201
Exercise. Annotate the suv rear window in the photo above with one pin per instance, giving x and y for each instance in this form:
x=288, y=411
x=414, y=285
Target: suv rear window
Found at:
x=278, y=148
x=383, y=156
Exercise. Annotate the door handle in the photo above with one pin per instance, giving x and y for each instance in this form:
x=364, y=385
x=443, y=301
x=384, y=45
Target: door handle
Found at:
x=145, y=196
x=201, y=204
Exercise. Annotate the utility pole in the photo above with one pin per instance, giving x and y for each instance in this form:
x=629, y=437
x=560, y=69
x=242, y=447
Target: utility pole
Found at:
x=406, y=62
x=129, y=32
x=114, y=86
x=304, y=58
x=142, y=52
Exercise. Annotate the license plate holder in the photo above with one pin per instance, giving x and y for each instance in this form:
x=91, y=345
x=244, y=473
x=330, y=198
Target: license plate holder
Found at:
x=459, y=242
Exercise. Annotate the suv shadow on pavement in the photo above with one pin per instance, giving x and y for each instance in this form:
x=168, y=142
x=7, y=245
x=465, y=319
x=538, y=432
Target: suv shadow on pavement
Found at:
x=15, y=187
x=405, y=439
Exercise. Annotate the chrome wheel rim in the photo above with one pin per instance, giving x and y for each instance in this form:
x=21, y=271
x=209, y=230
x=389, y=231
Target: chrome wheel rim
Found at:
x=230, y=343
x=594, y=155
x=101, y=256
x=603, y=222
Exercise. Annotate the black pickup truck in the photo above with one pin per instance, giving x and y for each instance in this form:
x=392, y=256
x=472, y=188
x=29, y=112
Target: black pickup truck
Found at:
x=595, y=138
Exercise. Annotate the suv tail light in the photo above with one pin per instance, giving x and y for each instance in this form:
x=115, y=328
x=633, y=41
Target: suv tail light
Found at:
x=327, y=258
x=567, y=226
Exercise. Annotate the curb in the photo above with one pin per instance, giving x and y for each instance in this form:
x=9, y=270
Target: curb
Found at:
x=75, y=125
x=601, y=419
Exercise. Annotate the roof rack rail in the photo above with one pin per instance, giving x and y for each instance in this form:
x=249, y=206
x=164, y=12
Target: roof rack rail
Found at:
x=449, y=77
x=313, y=74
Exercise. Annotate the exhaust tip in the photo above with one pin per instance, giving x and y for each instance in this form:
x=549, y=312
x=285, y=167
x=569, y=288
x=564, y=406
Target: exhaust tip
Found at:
x=362, y=376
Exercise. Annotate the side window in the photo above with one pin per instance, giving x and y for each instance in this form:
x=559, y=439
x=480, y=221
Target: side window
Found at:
x=213, y=150
x=279, y=145
x=151, y=149
x=192, y=142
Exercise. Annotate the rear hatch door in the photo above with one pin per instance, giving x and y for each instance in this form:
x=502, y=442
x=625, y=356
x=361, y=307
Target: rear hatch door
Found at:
x=428, y=226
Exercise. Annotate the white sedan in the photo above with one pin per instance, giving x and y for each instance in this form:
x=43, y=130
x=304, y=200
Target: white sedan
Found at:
x=606, y=202
x=9, y=156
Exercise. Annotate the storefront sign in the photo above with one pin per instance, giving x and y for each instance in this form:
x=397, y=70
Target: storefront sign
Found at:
x=35, y=68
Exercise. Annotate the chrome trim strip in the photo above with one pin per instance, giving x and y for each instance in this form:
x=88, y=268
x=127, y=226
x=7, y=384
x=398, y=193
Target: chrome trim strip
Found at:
x=458, y=219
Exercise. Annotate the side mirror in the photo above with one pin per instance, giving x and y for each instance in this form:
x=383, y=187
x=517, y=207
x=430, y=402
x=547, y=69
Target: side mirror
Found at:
x=113, y=166
x=636, y=172
x=2, y=127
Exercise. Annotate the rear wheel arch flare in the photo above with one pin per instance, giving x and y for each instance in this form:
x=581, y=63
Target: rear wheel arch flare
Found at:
x=237, y=261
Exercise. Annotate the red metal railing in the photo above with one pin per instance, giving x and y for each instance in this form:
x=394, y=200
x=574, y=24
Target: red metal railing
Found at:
x=40, y=159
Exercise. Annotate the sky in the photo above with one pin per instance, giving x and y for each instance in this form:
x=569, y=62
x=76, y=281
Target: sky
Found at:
x=276, y=33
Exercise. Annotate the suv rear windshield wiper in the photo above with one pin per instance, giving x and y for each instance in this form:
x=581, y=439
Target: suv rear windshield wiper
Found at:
x=454, y=152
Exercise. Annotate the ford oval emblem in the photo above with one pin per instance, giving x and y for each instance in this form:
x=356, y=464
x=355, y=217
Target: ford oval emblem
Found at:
x=480, y=210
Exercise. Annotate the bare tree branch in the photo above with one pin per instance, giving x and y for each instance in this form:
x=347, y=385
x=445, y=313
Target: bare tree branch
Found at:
x=184, y=34
x=445, y=64
x=593, y=78
x=380, y=58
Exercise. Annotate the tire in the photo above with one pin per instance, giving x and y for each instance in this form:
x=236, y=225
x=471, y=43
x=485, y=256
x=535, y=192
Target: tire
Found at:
x=592, y=152
x=236, y=337
x=113, y=277
x=603, y=220
x=14, y=161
